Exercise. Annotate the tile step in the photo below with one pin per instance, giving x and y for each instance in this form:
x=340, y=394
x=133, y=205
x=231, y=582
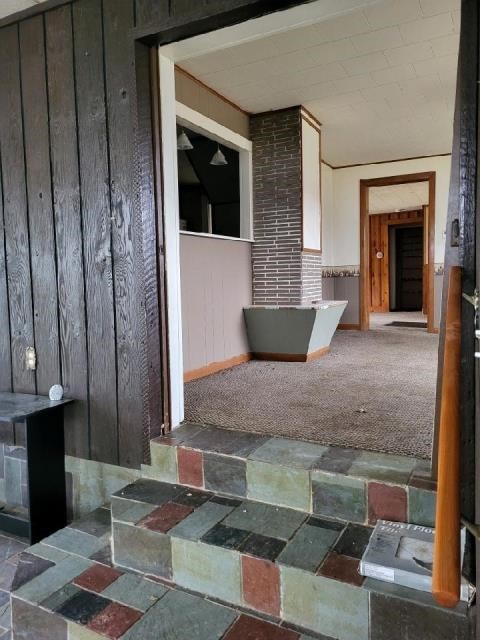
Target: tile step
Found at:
x=292, y=566
x=353, y=485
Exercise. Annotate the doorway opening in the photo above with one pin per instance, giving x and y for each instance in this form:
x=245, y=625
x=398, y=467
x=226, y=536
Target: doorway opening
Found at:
x=397, y=250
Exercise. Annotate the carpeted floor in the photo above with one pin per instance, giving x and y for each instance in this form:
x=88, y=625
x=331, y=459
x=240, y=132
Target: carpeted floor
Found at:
x=375, y=390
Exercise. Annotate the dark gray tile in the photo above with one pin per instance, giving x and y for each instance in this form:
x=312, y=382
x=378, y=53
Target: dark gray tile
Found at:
x=237, y=443
x=194, y=526
x=290, y=453
x=353, y=541
x=184, y=433
x=323, y=523
x=262, y=547
x=193, y=498
x=228, y=502
x=150, y=491
x=58, y=598
x=337, y=460
x=97, y=523
x=225, y=474
x=227, y=537
x=135, y=591
x=104, y=556
x=82, y=607
x=394, y=619
x=33, y=623
x=28, y=568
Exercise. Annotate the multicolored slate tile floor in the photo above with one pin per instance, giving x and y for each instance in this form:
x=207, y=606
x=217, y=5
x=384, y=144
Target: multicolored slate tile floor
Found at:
x=66, y=588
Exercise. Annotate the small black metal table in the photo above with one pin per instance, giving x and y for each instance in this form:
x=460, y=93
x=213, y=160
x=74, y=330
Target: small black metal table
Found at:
x=45, y=445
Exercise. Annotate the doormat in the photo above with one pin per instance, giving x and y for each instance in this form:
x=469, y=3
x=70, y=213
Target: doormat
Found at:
x=400, y=323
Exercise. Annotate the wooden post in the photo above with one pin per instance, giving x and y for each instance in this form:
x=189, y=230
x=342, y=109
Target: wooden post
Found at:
x=446, y=560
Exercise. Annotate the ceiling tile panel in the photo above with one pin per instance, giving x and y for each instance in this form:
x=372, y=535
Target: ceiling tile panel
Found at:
x=432, y=7
x=365, y=64
x=378, y=40
x=409, y=53
x=392, y=12
x=428, y=28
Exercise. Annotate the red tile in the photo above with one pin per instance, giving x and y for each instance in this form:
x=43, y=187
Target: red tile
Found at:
x=165, y=517
x=190, y=467
x=341, y=568
x=386, y=503
x=261, y=585
x=114, y=620
x=97, y=578
x=246, y=628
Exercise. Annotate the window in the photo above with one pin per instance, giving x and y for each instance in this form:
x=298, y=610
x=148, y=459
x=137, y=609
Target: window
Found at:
x=208, y=185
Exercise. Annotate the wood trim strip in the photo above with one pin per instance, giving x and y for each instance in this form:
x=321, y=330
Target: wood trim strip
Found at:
x=348, y=327
x=212, y=91
x=215, y=367
x=291, y=357
x=446, y=560
x=366, y=164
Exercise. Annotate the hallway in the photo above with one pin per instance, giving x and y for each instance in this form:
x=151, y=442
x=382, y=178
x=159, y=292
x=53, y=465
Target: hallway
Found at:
x=375, y=390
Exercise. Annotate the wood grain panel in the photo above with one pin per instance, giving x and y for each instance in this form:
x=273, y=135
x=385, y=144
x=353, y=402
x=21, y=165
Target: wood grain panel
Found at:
x=119, y=67
x=5, y=354
x=15, y=210
x=379, y=267
x=96, y=213
x=68, y=225
x=40, y=205
x=151, y=240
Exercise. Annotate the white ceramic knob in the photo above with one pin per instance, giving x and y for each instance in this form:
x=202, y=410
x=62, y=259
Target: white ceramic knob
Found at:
x=56, y=392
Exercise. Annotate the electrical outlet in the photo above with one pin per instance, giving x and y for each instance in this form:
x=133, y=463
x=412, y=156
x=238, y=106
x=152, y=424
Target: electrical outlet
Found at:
x=30, y=359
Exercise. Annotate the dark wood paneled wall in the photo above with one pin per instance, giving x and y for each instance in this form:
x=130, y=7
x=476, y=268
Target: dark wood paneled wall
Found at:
x=70, y=249
x=81, y=260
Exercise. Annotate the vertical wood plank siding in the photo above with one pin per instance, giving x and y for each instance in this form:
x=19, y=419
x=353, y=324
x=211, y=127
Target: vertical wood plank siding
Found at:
x=96, y=211
x=81, y=262
x=15, y=210
x=40, y=205
x=119, y=67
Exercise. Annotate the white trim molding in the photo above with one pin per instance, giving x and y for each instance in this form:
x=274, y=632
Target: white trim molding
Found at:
x=172, y=236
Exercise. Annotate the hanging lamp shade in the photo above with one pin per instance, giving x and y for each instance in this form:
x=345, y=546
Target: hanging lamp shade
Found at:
x=218, y=159
x=183, y=142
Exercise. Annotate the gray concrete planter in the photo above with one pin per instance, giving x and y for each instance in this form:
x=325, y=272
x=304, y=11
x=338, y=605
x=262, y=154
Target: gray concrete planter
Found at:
x=295, y=334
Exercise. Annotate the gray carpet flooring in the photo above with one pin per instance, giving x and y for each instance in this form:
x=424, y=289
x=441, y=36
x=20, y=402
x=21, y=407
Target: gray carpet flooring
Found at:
x=375, y=390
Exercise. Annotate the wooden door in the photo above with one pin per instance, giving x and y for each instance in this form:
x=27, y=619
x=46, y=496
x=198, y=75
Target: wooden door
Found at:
x=409, y=268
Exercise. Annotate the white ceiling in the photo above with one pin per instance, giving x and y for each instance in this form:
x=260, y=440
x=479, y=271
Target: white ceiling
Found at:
x=380, y=79
x=12, y=6
x=397, y=197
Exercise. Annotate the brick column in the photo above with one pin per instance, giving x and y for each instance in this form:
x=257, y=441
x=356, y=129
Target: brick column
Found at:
x=282, y=273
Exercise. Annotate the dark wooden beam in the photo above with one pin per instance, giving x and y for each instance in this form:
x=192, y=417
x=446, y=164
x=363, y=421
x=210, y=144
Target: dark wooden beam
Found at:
x=208, y=17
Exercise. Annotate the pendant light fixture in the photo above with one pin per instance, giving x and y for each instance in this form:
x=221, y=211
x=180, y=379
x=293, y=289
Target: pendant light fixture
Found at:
x=183, y=142
x=218, y=159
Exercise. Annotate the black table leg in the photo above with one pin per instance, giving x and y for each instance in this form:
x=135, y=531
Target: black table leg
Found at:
x=46, y=473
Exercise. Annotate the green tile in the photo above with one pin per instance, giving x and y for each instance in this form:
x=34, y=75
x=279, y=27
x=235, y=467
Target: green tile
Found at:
x=325, y=606
x=278, y=485
x=77, y=542
x=339, y=496
x=76, y=632
x=50, y=581
x=163, y=463
x=421, y=506
x=182, y=615
x=130, y=512
x=205, y=569
x=135, y=591
x=308, y=548
x=290, y=453
x=194, y=526
x=382, y=466
x=142, y=550
x=266, y=519
x=48, y=553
